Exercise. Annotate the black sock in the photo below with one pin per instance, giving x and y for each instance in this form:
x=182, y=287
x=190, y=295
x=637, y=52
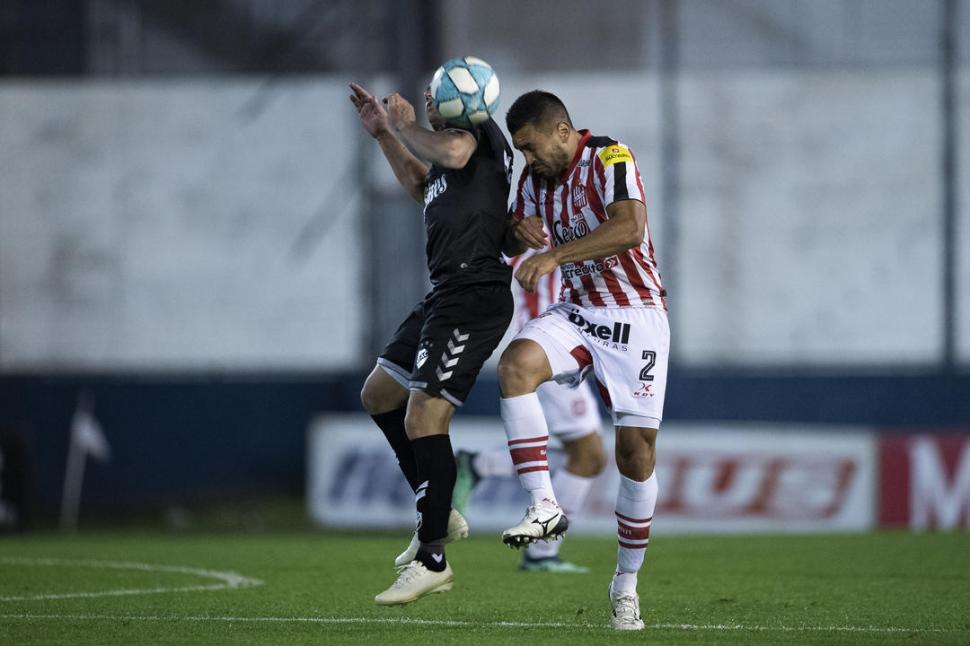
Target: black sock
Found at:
x=436, y=475
x=392, y=423
x=432, y=555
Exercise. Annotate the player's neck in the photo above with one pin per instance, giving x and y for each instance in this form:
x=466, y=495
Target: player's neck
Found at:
x=572, y=148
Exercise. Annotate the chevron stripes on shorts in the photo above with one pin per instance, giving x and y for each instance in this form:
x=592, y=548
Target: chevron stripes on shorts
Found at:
x=447, y=337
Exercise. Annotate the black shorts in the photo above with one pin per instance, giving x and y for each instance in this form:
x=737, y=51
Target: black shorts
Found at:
x=440, y=348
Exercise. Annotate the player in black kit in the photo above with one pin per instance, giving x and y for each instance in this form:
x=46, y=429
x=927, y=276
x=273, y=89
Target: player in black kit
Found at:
x=433, y=359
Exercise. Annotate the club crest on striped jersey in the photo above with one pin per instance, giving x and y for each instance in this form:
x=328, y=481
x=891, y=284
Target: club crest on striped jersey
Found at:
x=615, y=154
x=579, y=197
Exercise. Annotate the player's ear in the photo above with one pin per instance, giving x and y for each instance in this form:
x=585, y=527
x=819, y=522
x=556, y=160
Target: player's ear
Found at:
x=562, y=129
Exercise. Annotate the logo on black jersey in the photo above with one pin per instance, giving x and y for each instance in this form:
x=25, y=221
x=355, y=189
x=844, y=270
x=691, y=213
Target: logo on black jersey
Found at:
x=616, y=336
x=434, y=189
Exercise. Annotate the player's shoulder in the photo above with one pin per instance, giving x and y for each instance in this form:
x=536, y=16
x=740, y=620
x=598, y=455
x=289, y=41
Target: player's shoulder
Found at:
x=490, y=137
x=600, y=141
x=609, y=150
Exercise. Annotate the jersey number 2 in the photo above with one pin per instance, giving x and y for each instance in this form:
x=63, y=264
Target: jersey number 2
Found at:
x=651, y=358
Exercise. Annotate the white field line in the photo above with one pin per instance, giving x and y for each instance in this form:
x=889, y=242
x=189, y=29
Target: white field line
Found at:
x=467, y=624
x=228, y=580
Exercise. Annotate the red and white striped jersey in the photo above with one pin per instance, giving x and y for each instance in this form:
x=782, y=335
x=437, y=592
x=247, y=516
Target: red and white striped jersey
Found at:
x=604, y=171
x=530, y=305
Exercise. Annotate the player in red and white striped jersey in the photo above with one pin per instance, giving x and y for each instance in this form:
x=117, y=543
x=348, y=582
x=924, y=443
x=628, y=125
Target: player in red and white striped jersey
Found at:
x=612, y=321
x=572, y=416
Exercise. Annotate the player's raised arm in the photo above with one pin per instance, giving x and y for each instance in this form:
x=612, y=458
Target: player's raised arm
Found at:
x=448, y=148
x=408, y=169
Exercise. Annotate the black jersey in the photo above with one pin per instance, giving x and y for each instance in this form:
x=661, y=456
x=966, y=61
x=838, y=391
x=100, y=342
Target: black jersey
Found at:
x=465, y=212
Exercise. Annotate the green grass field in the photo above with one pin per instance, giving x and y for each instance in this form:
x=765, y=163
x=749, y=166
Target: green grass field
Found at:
x=317, y=588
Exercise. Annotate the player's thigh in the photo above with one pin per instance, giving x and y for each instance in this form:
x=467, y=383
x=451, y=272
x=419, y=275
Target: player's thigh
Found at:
x=399, y=356
x=564, y=348
x=461, y=330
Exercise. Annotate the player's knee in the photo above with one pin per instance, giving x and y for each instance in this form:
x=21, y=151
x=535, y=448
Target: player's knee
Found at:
x=520, y=371
x=636, y=458
x=413, y=424
x=376, y=399
x=369, y=399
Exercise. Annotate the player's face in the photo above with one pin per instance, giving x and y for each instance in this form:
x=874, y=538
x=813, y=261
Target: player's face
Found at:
x=544, y=148
x=434, y=118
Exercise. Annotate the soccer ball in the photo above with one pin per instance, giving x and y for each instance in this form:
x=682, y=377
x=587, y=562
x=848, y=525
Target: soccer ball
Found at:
x=465, y=91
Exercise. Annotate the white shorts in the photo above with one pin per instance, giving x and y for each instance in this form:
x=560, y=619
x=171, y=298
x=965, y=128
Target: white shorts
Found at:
x=627, y=348
x=571, y=413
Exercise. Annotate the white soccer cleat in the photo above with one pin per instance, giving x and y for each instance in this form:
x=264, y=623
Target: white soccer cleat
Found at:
x=415, y=581
x=542, y=521
x=626, y=610
x=457, y=530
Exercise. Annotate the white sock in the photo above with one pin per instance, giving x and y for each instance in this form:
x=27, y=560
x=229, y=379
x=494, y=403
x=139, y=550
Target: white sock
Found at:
x=635, y=503
x=528, y=435
x=496, y=463
x=572, y=491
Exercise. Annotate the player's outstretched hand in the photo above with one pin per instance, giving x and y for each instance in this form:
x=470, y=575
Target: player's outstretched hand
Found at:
x=530, y=231
x=372, y=114
x=534, y=268
x=400, y=113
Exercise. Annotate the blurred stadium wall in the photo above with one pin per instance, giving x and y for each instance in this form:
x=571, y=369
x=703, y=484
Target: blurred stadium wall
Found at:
x=195, y=233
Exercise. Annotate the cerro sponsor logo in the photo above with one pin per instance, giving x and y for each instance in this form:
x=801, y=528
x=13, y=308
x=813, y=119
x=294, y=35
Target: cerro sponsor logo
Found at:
x=434, y=189
x=564, y=234
x=583, y=163
x=618, y=333
x=579, y=196
x=770, y=487
x=589, y=268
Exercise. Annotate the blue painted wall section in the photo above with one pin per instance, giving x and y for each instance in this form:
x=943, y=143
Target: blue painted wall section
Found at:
x=178, y=439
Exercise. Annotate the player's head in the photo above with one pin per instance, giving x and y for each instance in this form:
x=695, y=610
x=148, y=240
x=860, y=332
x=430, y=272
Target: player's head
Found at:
x=542, y=130
x=434, y=117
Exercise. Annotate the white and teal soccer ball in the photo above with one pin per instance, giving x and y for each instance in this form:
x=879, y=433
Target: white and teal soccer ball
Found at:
x=465, y=91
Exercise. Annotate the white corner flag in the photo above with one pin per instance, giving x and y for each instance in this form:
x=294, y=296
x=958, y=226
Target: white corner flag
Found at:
x=87, y=435
x=87, y=438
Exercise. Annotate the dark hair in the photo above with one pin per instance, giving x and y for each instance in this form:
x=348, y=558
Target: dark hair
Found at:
x=535, y=107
